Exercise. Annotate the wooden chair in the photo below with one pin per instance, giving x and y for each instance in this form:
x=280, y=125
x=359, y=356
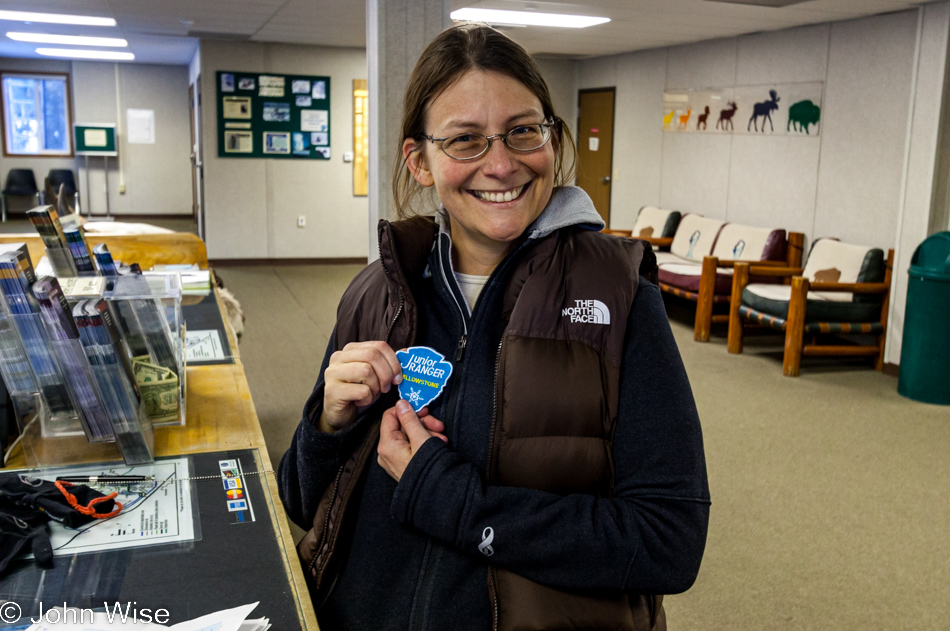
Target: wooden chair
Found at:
x=710, y=283
x=656, y=225
x=843, y=289
x=618, y=233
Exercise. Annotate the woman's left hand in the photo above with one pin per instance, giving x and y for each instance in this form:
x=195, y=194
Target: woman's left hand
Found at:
x=401, y=434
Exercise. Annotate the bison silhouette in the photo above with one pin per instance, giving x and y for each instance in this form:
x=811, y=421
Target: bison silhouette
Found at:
x=803, y=114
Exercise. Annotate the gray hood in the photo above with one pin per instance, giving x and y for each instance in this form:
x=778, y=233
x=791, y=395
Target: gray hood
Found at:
x=569, y=206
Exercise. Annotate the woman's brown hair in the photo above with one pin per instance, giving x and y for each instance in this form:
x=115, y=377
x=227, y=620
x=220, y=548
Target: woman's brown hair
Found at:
x=454, y=52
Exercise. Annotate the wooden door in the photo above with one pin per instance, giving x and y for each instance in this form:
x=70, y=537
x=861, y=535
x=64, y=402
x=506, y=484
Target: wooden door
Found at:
x=595, y=142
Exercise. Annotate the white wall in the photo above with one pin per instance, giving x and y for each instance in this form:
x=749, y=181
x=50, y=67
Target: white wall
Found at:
x=870, y=171
x=157, y=177
x=252, y=204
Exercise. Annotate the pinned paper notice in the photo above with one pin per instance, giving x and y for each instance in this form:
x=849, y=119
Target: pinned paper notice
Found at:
x=594, y=144
x=94, y=137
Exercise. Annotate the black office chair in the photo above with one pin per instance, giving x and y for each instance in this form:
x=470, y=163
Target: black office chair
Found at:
x=68, y=180
x=19, y=182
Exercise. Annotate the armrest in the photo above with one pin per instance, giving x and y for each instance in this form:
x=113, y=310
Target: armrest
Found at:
x=779, y=272
x=660, y=242
x=854, y=288
x=732, y=263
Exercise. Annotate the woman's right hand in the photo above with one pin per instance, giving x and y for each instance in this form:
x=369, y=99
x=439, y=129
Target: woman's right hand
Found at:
x=354, y=379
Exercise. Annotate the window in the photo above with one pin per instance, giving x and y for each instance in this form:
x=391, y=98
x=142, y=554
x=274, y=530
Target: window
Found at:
x=36, y=119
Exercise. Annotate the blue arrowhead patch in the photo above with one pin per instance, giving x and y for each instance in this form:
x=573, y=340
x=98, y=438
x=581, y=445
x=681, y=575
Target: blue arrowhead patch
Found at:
x=424, y=374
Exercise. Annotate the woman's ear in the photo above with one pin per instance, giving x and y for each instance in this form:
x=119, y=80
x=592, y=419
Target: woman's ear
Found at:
x=414, y=152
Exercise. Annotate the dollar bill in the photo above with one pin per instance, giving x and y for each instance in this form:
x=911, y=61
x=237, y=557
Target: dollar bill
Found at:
x=159, y=388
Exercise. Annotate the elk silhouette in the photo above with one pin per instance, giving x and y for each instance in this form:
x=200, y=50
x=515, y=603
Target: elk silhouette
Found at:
x=684, y=119
x=764, y=109
x=668, y=119
x=702, y=118
x=725, y=116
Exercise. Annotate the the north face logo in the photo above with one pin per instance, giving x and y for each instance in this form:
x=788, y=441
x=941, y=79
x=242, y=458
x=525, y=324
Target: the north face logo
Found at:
x=588, y=311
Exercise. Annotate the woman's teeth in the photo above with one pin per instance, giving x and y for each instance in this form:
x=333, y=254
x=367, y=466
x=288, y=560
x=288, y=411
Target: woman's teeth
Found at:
x=505, y=196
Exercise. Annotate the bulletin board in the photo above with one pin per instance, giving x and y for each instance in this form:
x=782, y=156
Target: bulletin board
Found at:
x=94, y=139
x=268, y=115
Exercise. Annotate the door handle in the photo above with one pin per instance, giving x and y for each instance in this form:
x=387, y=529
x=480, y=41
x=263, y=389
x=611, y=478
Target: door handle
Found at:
x=605, y=180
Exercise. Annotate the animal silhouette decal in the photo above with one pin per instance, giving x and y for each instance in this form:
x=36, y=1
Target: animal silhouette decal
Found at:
x=684, y=119
x=828, y=275
x=803, y=114
x=725, y=116
x=668, y=120
x=764, y=109
x=702, y=118
x=647, y=232
x=693, y=240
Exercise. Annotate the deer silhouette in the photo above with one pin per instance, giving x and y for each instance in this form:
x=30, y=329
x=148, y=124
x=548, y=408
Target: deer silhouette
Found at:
x=702, y=118
x=668, y=120
x=764, y=109
x=725, y=116
x=685, y=118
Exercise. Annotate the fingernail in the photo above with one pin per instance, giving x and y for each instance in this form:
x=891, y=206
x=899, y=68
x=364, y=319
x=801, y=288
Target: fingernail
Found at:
x=403, y=406
x=397, y=379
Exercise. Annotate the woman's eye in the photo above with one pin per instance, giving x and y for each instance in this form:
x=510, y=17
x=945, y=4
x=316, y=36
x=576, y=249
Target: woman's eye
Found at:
x=521, y=131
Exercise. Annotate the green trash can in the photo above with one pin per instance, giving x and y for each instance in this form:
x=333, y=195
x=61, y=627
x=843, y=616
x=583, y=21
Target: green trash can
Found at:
x=925, y=352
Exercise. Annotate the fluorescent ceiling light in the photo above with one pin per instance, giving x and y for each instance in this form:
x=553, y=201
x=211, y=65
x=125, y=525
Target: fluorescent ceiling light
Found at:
x=55, y=18
x=74, y=40
x=73, y=53
x=526, y=18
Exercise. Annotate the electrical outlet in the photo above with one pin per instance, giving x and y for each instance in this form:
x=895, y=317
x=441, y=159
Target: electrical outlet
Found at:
x=302, y=221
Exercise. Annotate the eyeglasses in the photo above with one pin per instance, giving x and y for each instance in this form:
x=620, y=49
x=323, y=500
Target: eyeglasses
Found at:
x=469, y=146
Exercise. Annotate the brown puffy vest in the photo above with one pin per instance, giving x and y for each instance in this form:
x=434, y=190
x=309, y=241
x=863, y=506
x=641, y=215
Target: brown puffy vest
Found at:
x=567, y=305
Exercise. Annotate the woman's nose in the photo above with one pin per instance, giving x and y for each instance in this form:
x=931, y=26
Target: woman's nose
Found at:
x=498, y=160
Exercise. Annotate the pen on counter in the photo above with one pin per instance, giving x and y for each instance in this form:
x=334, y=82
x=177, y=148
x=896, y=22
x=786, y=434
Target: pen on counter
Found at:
x=105, y=479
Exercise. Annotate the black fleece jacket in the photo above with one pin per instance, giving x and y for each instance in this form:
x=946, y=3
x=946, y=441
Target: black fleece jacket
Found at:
x=413, y=561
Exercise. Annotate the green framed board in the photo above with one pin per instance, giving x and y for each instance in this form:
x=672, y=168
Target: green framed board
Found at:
x=94, y=139
x=268, y=115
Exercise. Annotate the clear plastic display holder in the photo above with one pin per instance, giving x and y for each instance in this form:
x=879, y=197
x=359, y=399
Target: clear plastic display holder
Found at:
x=148, y=313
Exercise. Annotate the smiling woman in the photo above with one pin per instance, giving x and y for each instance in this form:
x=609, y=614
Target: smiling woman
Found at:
x=540, y=489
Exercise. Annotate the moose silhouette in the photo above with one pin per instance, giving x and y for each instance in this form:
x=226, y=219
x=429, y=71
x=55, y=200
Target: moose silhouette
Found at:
x=764, y=109
x=803, y=114
x=702, y=119
x=684, y=119
x=725, y=116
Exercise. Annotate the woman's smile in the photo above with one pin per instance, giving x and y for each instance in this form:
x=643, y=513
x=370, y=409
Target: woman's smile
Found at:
x=501, y=197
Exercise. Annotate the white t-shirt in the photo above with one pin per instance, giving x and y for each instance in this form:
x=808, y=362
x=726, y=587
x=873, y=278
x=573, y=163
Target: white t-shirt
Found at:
x=471, y=287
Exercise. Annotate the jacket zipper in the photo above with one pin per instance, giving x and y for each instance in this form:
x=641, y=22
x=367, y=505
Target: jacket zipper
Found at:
x=460, y=348
x=494, y=413
x=488, y=469
x=494, y=597
x=326, y=522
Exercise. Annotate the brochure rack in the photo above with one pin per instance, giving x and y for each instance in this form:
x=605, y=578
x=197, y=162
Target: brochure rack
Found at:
x=129, y=358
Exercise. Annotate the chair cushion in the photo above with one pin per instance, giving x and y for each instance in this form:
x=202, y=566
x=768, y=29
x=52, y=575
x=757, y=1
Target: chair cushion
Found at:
x=656, y=222
x=745, y=243
x=695, y=237
x=687, y=275
x=820, y=306
x=665, y=258
x=831, y=261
